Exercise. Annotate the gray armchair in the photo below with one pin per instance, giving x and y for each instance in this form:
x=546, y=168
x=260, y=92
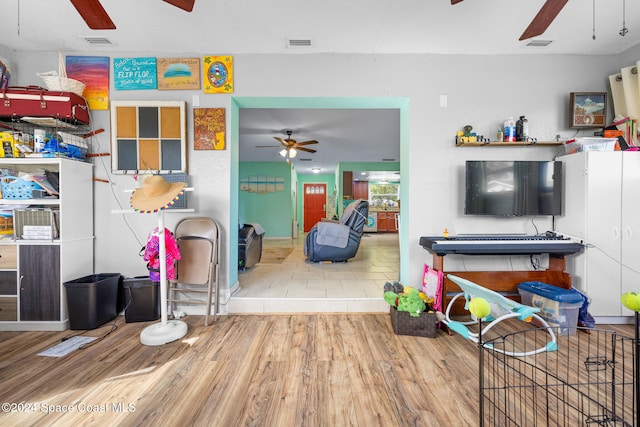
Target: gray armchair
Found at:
x=338, y=241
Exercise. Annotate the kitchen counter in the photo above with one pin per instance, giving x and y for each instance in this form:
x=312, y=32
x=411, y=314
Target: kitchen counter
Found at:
x=374, y=209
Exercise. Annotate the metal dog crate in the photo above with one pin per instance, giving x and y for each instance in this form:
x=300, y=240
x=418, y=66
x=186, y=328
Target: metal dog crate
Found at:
x=591, y=380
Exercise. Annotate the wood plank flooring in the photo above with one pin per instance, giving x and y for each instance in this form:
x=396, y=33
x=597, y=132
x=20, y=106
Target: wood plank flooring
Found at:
x=326, y=369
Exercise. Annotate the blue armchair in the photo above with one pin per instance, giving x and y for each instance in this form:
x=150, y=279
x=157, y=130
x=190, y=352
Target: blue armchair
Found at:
x=338, y=241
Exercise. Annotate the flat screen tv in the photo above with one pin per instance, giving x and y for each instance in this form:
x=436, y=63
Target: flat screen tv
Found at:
x=513, y=188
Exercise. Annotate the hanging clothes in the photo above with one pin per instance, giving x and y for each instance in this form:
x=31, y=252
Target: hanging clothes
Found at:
x=152, y=254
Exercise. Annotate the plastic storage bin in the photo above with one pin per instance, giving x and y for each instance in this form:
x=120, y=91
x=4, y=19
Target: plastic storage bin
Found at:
x=92, y=300
x=558, y=306
x=141, y=299
x=590, y=144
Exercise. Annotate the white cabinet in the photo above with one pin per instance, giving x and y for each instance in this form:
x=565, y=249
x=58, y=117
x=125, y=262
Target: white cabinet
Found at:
x=33, y=272
x=601, y=202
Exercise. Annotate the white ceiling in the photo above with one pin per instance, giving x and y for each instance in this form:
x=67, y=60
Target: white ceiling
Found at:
x=349, y=135
x=353, y=26
x=335, y=26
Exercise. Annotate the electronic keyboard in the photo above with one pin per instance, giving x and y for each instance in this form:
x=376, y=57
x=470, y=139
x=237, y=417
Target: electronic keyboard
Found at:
x=500, y=244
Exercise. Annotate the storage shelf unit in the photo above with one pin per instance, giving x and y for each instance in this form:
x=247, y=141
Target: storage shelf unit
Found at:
x=601, y=205
x=32, y=276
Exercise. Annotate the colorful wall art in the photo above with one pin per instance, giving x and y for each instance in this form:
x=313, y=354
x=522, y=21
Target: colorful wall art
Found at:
x=262, y=184
x=134, y=73
x=93, y=71
x=209, y=129
x=218, y=74
x=178, y=73
x=5, y=73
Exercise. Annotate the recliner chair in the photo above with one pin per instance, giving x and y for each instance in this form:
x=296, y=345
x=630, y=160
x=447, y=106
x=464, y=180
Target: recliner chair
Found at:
x=338, y=241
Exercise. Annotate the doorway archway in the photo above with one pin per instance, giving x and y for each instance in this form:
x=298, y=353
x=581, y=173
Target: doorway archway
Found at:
x=238, y=103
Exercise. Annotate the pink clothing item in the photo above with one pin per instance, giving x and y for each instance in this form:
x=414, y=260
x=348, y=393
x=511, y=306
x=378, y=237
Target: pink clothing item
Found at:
x=152, y=254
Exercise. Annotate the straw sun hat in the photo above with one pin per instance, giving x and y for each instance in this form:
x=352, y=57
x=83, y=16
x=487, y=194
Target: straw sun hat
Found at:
x=156, y=194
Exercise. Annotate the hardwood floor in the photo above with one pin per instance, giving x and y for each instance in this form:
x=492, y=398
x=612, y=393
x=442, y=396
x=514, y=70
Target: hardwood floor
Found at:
x=260, y=370
x=277, y=370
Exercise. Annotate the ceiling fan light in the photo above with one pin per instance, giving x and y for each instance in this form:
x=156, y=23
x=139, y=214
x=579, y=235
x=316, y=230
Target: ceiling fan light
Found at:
x=283, y=153
x=292, y=153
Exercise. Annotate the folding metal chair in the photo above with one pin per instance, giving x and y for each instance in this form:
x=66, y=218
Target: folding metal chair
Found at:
x=198, y=239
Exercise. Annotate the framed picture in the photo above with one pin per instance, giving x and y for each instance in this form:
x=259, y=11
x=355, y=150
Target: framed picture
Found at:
x=587, y=110
x=148, y=136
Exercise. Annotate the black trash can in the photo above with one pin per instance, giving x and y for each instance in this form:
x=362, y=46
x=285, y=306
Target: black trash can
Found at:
x=92, y=300
x=141, y=299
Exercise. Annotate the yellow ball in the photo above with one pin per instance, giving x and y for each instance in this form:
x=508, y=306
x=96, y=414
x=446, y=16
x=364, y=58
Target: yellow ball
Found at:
x=479, y=307
x=631, y=300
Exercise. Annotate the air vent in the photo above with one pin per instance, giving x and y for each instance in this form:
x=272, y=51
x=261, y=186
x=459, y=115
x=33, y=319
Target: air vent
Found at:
x=388, y=160
x=539, y=43
x=97, y=41
x=304, y=160
x=299, y=42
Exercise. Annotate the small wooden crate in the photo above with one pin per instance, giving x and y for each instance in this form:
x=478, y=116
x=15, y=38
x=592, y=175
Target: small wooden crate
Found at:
x=405, y=324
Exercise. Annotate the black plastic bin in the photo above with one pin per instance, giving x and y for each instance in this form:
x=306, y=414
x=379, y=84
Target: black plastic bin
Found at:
x=141, y=299
x=92, y=300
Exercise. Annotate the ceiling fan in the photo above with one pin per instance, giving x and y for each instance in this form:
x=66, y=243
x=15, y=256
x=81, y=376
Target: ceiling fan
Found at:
x=550, y=9
x=97, y=18
x=290, y=147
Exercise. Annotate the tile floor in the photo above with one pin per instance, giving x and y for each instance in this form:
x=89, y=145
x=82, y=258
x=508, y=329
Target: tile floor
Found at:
x=297, y=285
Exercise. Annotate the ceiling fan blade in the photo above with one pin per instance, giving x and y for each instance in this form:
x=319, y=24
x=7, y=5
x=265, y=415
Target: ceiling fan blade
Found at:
x=543, y=19
x=284, y=142
x=313, y=141
x=94, y=14
x=455, y=1
x=308, y=150
x=268, y=146
x=186, y=5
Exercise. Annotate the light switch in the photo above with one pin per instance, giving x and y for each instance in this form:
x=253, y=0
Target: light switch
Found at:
x=443, y=100
x=196, y=100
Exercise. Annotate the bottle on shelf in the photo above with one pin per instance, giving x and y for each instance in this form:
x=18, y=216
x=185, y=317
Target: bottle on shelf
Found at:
x=522, y=129
x=510, y=130
x=499, y=135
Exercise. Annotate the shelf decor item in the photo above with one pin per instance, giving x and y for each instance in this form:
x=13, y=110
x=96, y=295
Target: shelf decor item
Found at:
x=58, y=81
x=587, y=110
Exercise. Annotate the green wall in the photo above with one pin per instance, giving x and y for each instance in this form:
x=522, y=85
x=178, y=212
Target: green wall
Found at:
x=273, y=211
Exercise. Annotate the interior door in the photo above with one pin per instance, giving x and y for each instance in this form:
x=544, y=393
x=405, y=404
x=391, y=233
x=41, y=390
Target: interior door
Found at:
x=314, y=204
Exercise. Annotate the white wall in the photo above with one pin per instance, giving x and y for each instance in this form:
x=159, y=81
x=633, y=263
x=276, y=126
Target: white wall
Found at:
x=481, y=91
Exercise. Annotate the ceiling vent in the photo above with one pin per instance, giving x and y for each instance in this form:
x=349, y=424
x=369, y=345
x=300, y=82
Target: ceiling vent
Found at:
x=97, y=41
x=388, y=160
x=305, y=160
x=299, y=42
x=539, y=43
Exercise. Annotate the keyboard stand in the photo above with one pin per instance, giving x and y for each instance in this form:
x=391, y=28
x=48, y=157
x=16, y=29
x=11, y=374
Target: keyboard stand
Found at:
x=505, y=282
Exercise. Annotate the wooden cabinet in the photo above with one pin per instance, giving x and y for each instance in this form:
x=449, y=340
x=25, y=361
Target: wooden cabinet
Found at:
x=8, y=283
x=601, y=205
x=40, y=282
x=361, y=190
x=347, y=185
x=33, y=272
x=388, y=221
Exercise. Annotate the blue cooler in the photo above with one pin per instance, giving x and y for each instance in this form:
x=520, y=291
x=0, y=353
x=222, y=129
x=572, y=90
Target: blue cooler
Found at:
x=558, y=306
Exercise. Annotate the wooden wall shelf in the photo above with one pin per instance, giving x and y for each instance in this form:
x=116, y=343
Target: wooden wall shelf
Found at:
x=506, y=144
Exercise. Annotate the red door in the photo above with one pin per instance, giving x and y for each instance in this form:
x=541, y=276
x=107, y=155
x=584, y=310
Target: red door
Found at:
x=314, y=204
